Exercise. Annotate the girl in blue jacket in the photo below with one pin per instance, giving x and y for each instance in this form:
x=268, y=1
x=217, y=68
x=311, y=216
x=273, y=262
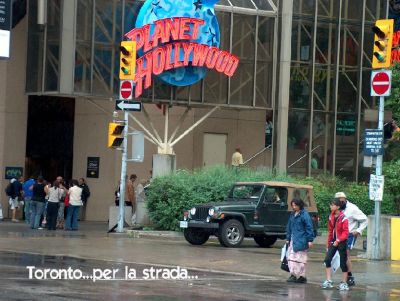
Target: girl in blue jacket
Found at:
x=299, y=237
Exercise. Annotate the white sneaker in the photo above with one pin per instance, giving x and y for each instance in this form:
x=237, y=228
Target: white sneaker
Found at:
x=40, y=228
x=343, y=286
x=327, y=284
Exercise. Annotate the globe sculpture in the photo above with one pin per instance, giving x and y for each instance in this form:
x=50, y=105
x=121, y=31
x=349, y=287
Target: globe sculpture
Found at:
x=153, y=10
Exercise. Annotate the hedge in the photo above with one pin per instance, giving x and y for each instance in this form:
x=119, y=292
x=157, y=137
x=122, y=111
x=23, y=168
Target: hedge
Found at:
x=168, y=196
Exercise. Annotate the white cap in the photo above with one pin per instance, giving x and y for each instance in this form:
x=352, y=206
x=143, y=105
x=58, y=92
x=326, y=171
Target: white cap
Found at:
x=13, y=180
x=339, y=195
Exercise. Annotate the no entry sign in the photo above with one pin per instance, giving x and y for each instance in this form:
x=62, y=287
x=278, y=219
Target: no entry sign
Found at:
x=125, y=90
x=381, y=82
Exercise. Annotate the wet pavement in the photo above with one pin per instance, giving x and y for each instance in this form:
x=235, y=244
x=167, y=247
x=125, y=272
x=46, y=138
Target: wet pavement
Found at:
x=247, y=273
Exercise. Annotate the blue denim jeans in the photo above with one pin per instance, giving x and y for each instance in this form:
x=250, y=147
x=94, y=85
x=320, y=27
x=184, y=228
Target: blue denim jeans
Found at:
x=71, y=223
x=27, y=209
x=37, y=209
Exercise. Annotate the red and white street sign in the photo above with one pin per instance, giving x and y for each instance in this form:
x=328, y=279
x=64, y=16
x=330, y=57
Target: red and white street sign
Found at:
x=126, y=89
x=381, y=83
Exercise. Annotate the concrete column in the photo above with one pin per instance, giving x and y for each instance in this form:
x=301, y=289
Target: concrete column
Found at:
x=67, y=52
x=384, y=239
x=284, y=84
x=163, y=165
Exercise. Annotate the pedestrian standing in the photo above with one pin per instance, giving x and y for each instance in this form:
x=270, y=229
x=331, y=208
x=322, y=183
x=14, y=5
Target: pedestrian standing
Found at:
x=55, y=193
x=27, y=187
x=338, y=232
x=75, y=203
x=61, y=209
x=38, y=202
x=299, y=237
x=358, y=221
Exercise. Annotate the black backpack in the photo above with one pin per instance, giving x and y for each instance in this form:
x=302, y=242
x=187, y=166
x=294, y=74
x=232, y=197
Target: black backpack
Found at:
x=9, y=190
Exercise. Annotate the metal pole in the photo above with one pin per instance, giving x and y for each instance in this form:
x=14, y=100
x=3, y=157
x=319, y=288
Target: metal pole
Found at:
x=122, y=186
x=379, y=159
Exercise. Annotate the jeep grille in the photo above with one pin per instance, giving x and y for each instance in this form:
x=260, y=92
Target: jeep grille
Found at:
x=201, y=213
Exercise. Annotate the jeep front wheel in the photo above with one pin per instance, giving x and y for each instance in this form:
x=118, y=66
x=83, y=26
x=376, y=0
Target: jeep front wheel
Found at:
x=196, y=236
x=231, y=233
x=265, y=241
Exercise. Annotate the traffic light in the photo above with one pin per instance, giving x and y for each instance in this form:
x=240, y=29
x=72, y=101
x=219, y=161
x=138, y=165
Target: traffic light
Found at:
x=127, y=62
x=115, y=134
x=383, y=40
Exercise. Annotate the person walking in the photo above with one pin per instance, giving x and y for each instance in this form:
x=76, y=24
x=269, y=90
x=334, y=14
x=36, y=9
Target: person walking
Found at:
x=85, y=197
x=55, y=195
x=27, y=187
x=38, y=202
x=13, y=192
x=75, y=203
x=358, y=221
x=237, y=158
x=299, y=238
x=338, y=232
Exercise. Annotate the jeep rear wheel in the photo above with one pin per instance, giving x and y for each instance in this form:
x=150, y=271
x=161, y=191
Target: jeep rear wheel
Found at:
x=265, y=241
x=196, y=236
x=231, y=233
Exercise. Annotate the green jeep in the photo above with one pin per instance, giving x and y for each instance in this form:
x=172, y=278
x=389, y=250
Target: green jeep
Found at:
x=252, y=209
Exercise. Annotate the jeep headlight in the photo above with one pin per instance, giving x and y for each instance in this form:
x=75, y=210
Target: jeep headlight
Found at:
x=211, y=211
x=193, y=211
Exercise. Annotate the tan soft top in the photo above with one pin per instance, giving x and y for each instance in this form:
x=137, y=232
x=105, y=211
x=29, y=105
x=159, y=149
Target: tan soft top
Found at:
x=277, y=184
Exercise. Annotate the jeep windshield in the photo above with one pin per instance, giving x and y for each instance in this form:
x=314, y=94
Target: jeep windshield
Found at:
x=246, y=192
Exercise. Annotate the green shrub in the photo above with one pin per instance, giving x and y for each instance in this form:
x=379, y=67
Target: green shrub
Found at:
x=168, y=196
x=391, y=170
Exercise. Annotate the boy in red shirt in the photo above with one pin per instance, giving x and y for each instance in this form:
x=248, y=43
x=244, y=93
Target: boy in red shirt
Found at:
x=338, y=227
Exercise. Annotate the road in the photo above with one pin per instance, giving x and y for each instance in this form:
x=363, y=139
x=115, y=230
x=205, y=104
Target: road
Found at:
x=213, y=272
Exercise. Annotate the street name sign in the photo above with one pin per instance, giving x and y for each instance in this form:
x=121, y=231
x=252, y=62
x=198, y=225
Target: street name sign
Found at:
x=126, y=105
x=376, y=184
x=381, y=83
x=373, y=142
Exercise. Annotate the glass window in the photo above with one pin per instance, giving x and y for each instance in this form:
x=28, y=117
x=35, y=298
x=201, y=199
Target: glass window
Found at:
x=35, y=51
x=246, y=192
x=302, y=194
x=276, y=195
x=263, y=5
x=242, y=89
x=242, y=3
x=83, y=53
x=265, y=54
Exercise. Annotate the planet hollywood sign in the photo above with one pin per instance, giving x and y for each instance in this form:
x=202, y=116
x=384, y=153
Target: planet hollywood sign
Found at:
x=178, y=50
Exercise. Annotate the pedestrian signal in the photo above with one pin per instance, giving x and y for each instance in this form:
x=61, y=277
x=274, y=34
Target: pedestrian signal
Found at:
x=383, y=40
x=115, y=134
x=127, y=61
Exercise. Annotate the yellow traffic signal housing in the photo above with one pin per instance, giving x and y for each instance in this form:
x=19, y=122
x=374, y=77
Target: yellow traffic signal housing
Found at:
x=127, y=62
x=383, y=41
x=115, y=134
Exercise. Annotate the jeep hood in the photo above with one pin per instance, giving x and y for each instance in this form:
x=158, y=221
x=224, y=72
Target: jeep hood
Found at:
x=237, y=205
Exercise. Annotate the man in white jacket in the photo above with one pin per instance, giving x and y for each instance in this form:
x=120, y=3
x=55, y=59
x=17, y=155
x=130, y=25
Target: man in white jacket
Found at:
x=358, y=221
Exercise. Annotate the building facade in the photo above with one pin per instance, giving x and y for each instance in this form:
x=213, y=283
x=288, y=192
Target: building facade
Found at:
x=301, y=92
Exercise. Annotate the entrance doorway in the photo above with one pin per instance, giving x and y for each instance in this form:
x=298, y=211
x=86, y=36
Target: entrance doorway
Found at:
x=50, y=136
x=214, y=149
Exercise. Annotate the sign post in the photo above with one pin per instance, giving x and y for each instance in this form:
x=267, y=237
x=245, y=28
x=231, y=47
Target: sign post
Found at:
x=122, y=185
x=380, y=86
